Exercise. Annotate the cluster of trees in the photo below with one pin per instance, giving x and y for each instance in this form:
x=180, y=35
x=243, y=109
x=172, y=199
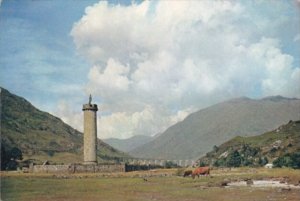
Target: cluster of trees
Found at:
x=288, y=160
x=137, y=167
x=247, y=156
x=170, y=164
x=10, y=158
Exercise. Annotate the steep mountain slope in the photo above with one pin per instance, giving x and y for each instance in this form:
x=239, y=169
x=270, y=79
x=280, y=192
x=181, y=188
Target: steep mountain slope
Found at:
x=129, y=144
x=42, y=136
x=257, y=150
x=200, y=131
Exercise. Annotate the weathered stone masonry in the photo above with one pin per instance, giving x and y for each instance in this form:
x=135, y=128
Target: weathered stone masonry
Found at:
x=90, y=133
x=78, y=168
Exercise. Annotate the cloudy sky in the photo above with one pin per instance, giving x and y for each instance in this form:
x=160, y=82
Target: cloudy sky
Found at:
x=147, y=64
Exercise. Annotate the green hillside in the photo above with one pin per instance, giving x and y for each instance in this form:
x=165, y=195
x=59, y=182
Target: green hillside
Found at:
x=42, y=136
x=282, y=143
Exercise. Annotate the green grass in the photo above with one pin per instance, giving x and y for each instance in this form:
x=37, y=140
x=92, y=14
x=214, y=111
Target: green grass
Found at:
x=132, y=187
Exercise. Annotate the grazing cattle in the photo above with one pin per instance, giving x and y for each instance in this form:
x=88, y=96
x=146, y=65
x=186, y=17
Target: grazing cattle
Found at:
x=187, y=173
x=200, y=171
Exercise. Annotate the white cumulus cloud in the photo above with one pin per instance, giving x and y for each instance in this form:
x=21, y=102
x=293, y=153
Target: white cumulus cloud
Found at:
x=155, y=62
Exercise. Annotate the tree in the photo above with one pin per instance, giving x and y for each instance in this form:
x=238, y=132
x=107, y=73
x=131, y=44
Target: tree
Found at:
x=296, y=160
x=288, y=160
x=170, y=164
x=234, y=159
x=262, y=161
x=216, y=148
x=4, y=157
x=220, y=162
x=9, y=158
x=247, y=162
x=16, y=154
x=202, y=164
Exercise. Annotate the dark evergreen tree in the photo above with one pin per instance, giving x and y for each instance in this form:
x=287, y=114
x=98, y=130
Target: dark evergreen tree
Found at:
x=16, y=154
x=9, y=158
x=288, y=160
x=202, y=164
x=4, y=158
x=262, y=161
x=220, y=162
x=295, y=160
x=234, y=159
x=216, y=148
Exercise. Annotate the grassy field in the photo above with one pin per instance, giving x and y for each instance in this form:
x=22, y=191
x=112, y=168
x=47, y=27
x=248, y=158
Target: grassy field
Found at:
x=146, y=185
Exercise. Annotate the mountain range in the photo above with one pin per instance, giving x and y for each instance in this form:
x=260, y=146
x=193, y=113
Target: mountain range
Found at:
x=200, y=131
x=41, y=136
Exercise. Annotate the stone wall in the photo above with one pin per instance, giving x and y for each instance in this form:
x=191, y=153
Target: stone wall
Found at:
x=78, y=168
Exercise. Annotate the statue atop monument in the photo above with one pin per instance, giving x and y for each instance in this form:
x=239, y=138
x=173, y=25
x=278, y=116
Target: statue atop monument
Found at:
x=90, y=99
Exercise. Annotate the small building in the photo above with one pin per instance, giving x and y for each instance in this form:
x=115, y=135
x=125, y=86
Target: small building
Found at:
x=269, y=165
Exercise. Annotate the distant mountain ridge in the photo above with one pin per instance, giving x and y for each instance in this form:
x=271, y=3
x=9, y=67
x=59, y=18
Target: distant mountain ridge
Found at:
x=200, y=131
x=42, y=136
x=278, y=98
x=129, y=144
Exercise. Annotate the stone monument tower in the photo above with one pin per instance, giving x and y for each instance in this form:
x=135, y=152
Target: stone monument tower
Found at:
x=90, y=132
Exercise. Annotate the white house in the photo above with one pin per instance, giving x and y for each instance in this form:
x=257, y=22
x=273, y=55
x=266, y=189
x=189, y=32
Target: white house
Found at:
x=269, y=165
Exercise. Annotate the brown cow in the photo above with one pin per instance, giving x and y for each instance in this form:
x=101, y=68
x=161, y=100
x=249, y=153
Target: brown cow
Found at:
x=201, y=171
x=187, y=173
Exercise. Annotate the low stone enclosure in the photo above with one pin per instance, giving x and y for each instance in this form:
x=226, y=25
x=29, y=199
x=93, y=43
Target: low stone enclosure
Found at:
x=77, y=168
